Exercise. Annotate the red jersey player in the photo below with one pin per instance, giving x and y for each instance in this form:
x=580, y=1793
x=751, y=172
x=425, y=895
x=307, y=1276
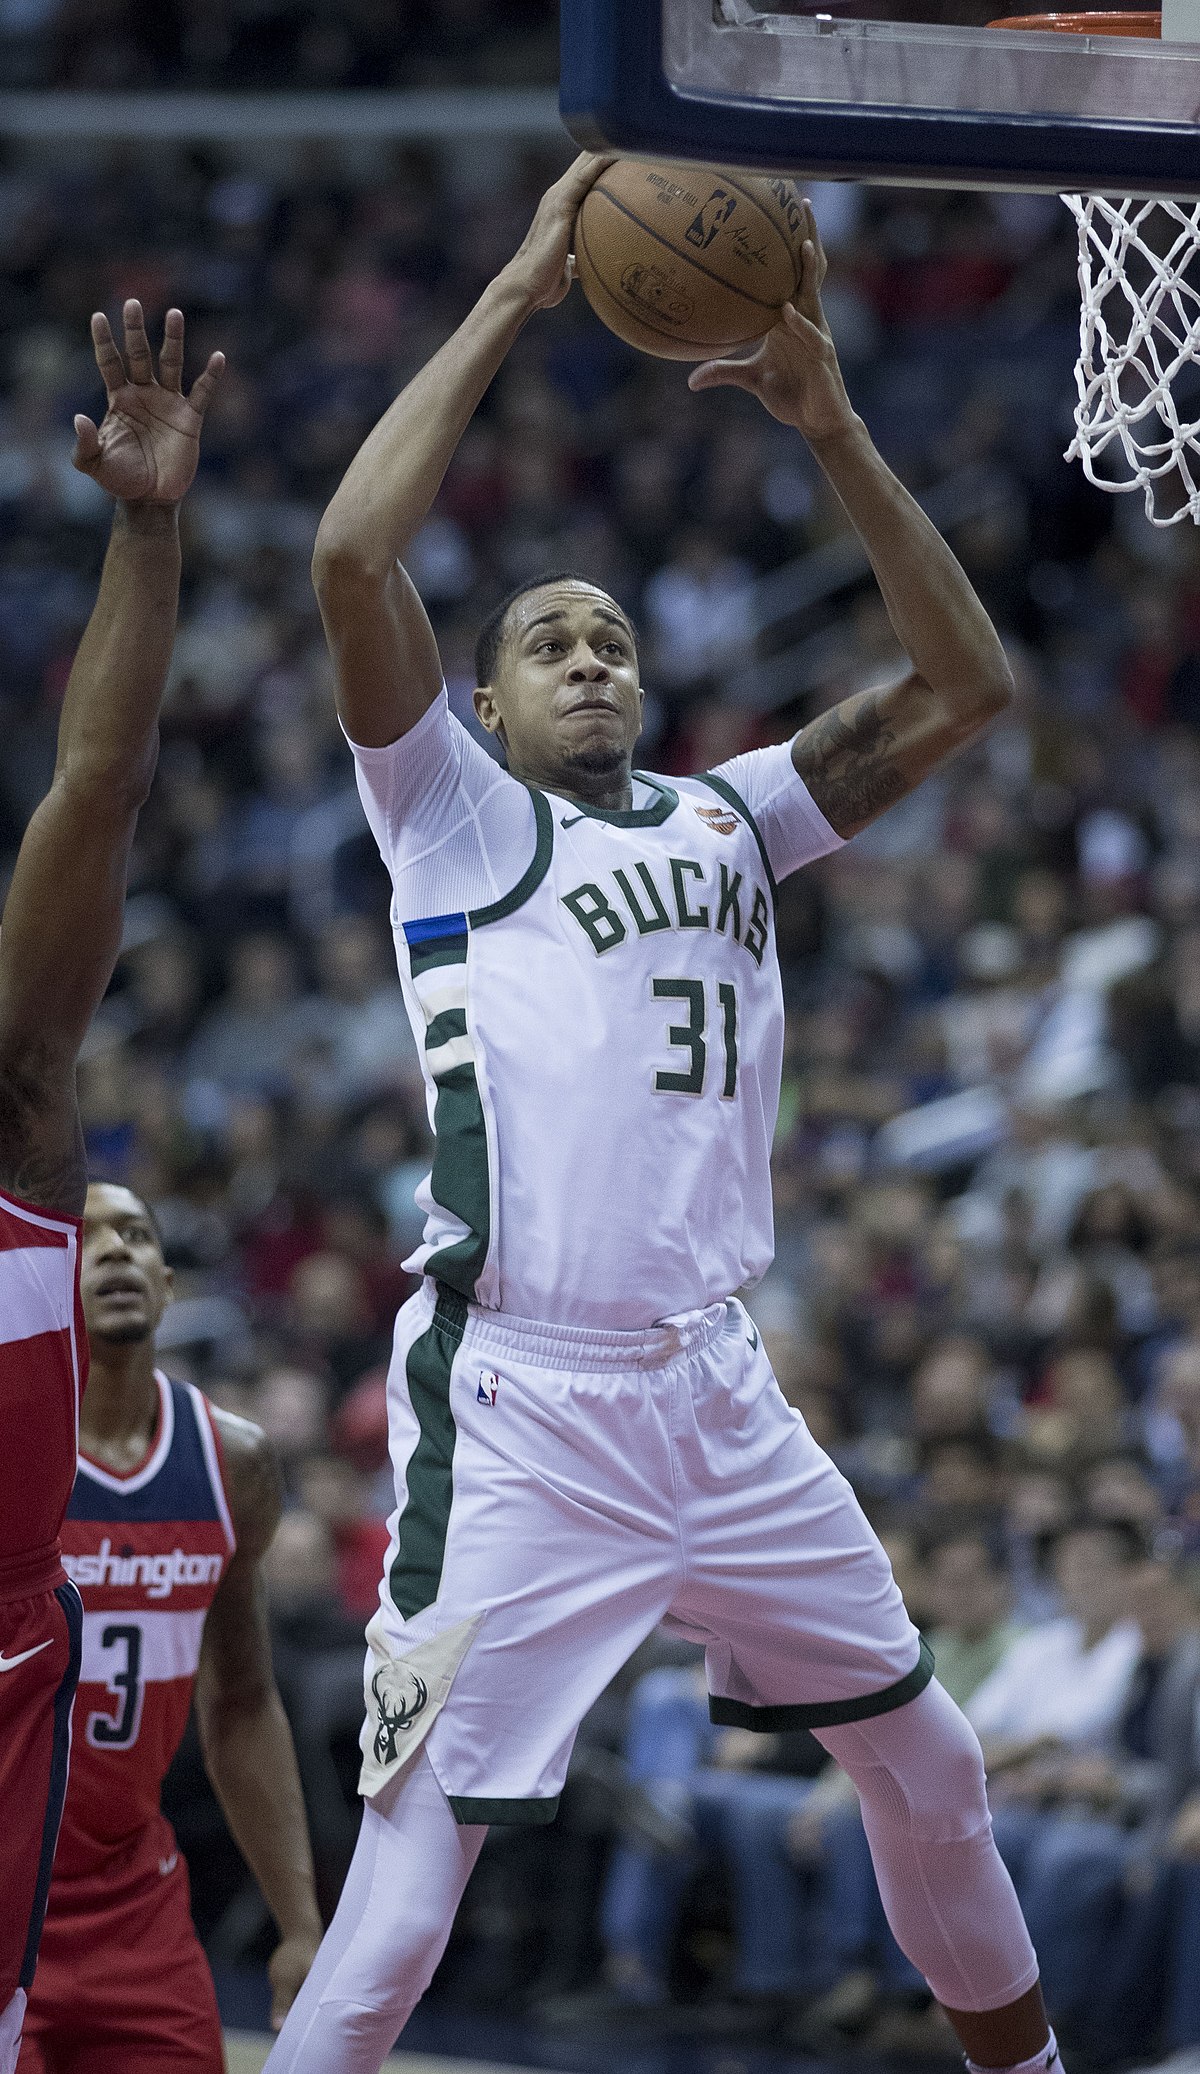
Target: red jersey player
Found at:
x=174, y=1504
x=58, y=946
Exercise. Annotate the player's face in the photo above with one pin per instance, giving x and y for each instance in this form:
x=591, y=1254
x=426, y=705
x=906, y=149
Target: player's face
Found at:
x=125, y=1282
x=567, y=697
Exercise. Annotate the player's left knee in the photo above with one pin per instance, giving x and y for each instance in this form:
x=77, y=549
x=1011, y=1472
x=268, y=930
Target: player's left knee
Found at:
x=934, y=1782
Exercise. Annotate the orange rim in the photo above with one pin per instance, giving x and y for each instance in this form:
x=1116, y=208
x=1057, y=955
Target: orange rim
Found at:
x=1140, y=23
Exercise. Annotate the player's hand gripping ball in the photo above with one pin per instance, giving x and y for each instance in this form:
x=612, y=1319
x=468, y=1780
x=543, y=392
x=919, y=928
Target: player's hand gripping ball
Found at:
x=688, y=261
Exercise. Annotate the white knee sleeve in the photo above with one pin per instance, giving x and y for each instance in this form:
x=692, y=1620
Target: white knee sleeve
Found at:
x=377, y=1958
x=950, y=1902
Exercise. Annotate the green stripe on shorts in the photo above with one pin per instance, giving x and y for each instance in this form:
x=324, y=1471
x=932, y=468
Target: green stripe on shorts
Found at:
x=532, y=1813
x=416, y=1573
x=825, y=1713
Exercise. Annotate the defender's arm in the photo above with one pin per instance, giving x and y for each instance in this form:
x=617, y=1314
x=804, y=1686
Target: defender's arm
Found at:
x=868, y=751
x=384, y=653
x=62, y=918
x=244, y=1733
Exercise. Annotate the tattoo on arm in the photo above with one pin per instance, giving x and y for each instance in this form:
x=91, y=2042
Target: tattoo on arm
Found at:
x=849, y=760
x=42, y=1157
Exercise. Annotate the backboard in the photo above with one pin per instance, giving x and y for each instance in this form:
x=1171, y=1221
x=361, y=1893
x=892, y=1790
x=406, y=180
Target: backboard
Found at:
x=915, y=91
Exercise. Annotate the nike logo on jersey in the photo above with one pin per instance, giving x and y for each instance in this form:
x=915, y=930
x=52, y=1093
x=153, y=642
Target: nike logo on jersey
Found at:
x=754, y=1337
x=570, y=821
x=166, y=1865
x=9, y=1663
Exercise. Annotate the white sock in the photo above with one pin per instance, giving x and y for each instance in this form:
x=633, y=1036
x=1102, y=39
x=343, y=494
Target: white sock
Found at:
x=1042, y=2061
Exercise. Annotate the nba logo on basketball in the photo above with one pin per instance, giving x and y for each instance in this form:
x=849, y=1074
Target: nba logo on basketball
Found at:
x=714, y=212
x=489, y=1383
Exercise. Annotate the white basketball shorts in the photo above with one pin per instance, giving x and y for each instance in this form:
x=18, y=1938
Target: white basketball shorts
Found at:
x=561, y=1492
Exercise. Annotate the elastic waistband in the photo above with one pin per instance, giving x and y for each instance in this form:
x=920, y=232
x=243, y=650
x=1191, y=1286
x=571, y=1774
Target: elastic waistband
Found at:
x=27, y=1575
x=584, y=1348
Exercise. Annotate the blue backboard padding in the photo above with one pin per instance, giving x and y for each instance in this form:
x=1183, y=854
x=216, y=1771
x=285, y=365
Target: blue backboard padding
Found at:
x=614, y=95
x=434, y=926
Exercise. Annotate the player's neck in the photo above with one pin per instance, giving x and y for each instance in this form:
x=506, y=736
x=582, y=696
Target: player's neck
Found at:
x=120, y=1404
x=611, y=790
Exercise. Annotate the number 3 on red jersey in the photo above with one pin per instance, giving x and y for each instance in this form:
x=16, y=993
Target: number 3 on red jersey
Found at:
x=121, y=1642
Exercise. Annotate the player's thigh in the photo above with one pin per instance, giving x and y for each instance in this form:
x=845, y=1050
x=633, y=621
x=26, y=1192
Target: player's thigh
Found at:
x=786, y=1576
x=534, y=1548
x=139, y=1999
x=34, y=2057
x=173, y=2031
x=39, y=1669
x=128, y=2054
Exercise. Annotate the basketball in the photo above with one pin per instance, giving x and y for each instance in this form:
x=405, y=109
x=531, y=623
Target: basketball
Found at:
x=688, y=261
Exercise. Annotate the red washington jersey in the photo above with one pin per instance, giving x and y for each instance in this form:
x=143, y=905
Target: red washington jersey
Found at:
x=147, y=1551
x=43, y=1367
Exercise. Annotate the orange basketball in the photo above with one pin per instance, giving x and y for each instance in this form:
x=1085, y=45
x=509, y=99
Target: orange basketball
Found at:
x=688, y=261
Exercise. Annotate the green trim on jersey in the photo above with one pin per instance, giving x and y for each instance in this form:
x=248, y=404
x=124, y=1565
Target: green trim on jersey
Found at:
x=437, y=950
x=415, y=1577
x=652, y=816
x=530, y=880
x=452, y=1022
x=460, y=1181
x=735, y=800
x=532, y=1813
x=825, y=1713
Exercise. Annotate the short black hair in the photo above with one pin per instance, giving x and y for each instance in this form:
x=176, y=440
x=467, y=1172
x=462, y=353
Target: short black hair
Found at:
x=491, y=634
x=111, y=1181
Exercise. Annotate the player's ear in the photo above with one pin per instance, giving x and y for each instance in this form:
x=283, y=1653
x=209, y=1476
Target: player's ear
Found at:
x=168, y=1282
x=487, y=712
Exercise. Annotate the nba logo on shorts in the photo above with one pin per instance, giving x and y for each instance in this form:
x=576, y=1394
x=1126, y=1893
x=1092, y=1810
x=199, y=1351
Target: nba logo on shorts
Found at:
x=489, y=1383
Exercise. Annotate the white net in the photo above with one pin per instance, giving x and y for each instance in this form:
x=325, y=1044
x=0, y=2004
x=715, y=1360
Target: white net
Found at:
x=1137, y=421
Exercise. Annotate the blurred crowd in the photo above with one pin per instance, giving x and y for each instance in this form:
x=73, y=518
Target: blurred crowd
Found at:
x=254, y=44
x=986, y=1300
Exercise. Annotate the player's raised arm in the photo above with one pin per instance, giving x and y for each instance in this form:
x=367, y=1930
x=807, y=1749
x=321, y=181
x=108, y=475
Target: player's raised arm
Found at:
x=867, y=752
x=62, y=919
x=383, y=648
x=244, y=1731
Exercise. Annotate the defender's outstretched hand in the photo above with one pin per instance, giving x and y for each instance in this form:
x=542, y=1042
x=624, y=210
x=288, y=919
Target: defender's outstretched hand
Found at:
x=794, y=372
x=544, y=264
x=148, y=442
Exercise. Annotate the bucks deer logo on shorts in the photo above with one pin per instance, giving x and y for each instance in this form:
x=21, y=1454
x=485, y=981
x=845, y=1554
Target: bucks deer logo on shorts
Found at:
x=400, y=1697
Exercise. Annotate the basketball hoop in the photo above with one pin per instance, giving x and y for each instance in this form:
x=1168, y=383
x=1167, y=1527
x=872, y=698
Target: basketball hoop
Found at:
x=1139, y=325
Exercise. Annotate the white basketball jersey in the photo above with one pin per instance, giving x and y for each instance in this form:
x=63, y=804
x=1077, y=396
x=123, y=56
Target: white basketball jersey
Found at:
x=602, y=1049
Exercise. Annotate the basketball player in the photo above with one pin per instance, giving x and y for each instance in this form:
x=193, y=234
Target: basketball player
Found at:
x=62, y=930
x=174, y=1505
x=586, y=1433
